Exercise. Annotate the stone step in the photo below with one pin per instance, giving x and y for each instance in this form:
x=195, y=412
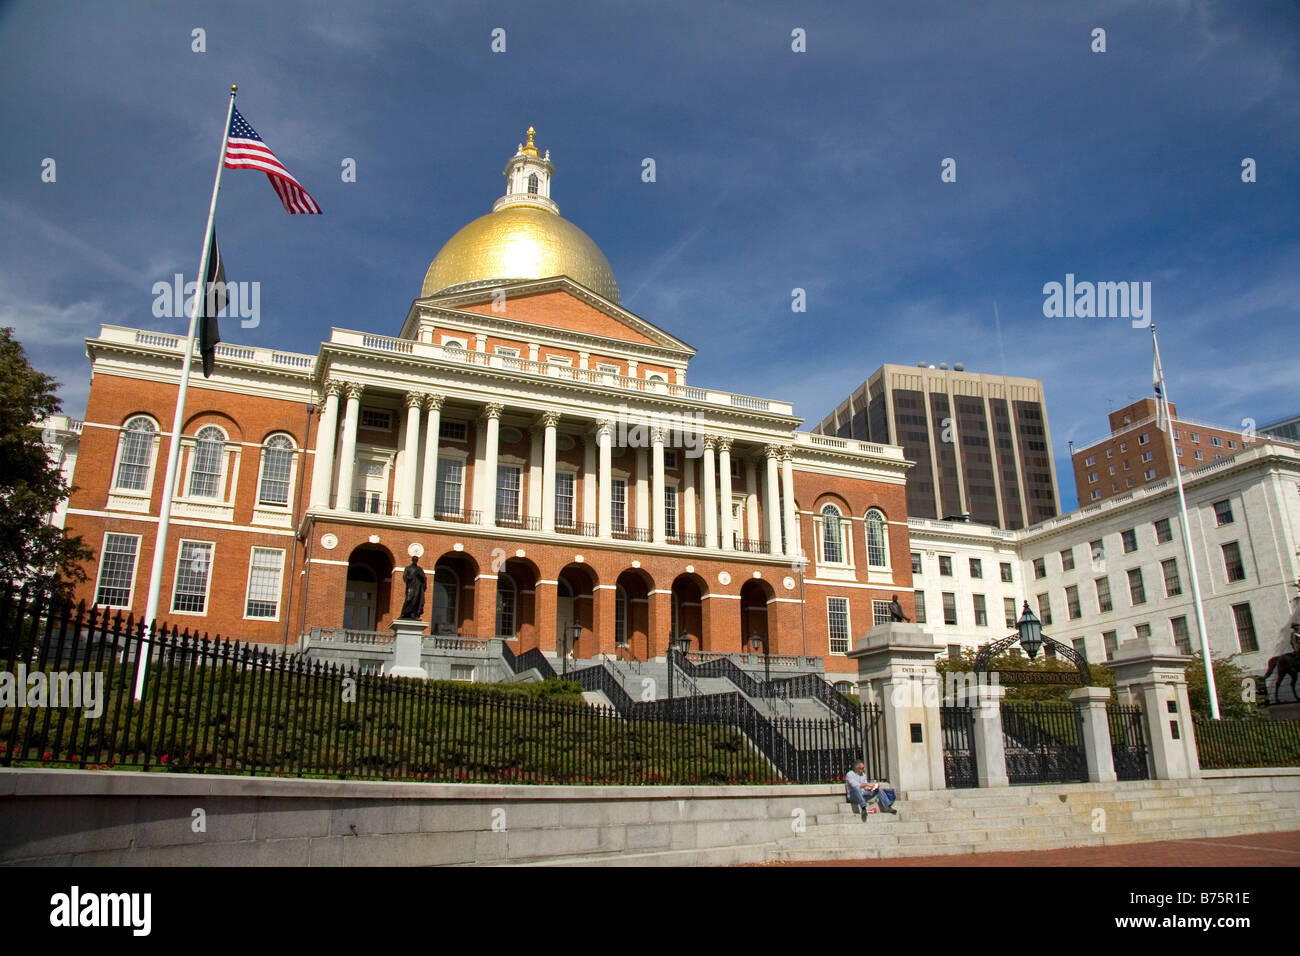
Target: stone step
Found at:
x=711, y=856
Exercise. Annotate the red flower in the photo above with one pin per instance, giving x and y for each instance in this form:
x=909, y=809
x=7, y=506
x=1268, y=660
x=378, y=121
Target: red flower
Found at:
x=46, y=755
x=162, y=759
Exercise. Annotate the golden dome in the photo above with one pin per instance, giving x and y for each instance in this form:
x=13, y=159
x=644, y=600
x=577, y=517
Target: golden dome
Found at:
x=520, y=242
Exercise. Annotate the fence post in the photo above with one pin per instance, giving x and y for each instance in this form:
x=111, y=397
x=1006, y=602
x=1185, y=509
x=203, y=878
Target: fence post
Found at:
x=1094, y=731
x=896, y=669
x=990, y=746
x=1154, y=671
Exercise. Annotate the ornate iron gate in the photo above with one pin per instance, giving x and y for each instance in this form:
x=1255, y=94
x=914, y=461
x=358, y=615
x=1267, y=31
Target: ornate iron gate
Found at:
x=1043, y=743
x=958, y=725
x=1128, y=742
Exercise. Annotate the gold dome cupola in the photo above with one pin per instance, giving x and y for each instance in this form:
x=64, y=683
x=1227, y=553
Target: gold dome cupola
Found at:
x=523, y=237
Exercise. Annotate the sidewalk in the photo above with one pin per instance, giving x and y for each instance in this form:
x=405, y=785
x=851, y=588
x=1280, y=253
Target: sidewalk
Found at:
x=1254, y=850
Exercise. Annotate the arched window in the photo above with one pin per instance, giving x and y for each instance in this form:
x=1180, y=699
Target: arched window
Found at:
x=205, y=471
x=446, y=601
x=277, y=463
x=877, y=539
x=505, y=605
x=532, y=183
x=832, y=536
x=620, y=615
x=137, y=449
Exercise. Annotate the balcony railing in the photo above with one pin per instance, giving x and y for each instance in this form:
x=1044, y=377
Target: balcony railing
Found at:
x=587, y=529
x=525, y=522
x=631, y=534
x=365, y=503
x=754, y=545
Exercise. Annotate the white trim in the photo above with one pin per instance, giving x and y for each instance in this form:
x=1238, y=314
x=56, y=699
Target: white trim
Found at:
x=248, y=584
x=207, y=584
x=153, y=519
x=341, y=564
x=135, y=567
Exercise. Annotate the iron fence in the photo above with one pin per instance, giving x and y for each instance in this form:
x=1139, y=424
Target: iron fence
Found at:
x=1247, y=742
x=1043, y=743
x=1128, y=742
x=959, y=762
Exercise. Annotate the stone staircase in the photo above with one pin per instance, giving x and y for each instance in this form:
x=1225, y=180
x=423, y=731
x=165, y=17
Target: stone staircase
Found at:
x=1048, y=816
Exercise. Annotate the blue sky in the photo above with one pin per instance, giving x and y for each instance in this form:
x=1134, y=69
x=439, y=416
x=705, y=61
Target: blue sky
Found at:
x=776, y=170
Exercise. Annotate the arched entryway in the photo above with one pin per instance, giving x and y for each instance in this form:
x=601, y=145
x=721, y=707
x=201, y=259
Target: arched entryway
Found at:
x=451, y=594
x=687, y=615
x=516, y=603
x=632, y=614
x=754, y=621
x=575, y=601
x=369, y=588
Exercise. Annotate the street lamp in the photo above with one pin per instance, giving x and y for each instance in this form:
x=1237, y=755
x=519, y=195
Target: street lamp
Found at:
x=681, y=644
x=575, y=633
x=755, y=642
x=1030, y=630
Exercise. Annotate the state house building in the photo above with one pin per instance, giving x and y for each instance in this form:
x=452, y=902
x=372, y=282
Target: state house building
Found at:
x=536, y=444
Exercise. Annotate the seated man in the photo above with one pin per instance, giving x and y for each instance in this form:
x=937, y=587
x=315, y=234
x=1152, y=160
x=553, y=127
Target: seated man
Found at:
x=861, y=791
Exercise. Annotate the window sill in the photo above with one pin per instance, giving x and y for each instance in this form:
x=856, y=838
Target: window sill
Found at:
x=136, y=501
x=214, y=511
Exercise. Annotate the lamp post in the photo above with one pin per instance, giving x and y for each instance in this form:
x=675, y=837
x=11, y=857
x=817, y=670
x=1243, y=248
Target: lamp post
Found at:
x=1030, y=630
x=681, y=644
x=756, y=642
x=575, y=633
x=1029, y=634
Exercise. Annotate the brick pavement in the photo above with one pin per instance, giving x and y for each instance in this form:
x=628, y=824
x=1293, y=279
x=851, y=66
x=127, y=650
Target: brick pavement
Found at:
x=1253, y=850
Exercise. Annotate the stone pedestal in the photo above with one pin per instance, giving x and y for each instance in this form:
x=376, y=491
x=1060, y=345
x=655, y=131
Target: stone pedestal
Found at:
x=407, y=645
x=1094, y=726
x=896, y=669
x=1153, y=670
x=990, y=745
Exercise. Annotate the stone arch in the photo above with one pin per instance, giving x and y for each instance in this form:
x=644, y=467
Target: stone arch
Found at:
x=632, y=598
x=452, y=585
x=690, y=612
x=521, y=576
x=368, y=593
x=576, y=601
x=755, y=597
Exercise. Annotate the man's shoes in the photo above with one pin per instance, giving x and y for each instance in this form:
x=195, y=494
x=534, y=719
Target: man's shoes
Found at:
x=864, y=814
x=892, y=810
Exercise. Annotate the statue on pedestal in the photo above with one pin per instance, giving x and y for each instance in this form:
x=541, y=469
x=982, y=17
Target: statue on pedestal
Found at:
x=413, y=578
x=896, y=611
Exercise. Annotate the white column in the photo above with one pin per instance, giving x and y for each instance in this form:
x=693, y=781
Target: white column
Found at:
x=770, y=505
x=642, y=490
x=348, y=450
x=589, y=515
x=787, y=490
x=410, y=465
x=710, y=495
x=751, y=501
x=433, y=425
x=687, y=516
x=724, y=479
x=322, y=475
x=605, y=435
x=657, y=489
x=549, y=421
x=489, y=465
x=534, y=496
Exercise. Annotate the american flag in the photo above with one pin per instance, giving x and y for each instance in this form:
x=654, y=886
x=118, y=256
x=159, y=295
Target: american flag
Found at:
x=245, y=150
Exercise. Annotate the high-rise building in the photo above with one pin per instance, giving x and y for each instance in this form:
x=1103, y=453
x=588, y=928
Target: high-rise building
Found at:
x=1287, y=429
x=981, y=443
x=1136, y=452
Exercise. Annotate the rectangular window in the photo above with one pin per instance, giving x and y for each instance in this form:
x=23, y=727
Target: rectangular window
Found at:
x=1136, y=590
x=508, y=484
x=265, y=573
x=1147, y=456
x=1067, y=559
x=981, y=612
x=945, y=565
x=1092, y=477
x=976, y=568
x=1232, y=562
x=1111, y=643
x=1216, y=441
x=1223, y=512
x=277, y=464
x=670, y=459
x=1173, y=586
x=1164, y=534
x=1130, y=540
x=1006, y=572
x=1040, y=568
x=949, y=607
x=1080, y=647
x=1143, y=631
x=1072, y=602
x=837, y=617
x=1199, y=456
x=1144, y=438
x=1045, y=609
x=670, y=511
x=1245, y=628
x=564, y=499
x=1098, y=551
x=880, y=612
x=453, y=430
x=954, y=652
x=920, y=606
x=117, y=570
x=1196, y=437
x=1103, y=595
x=618, y=504
x=193, y=563
x=1095, y=494
x=1149, y=474
x=1090, y=460
x=377, y=419
x=1009, y=611
x=1182, y=640
x=451, y=472
x=916, y=563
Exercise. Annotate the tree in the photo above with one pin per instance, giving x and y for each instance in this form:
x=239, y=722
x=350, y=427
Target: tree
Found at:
x=1236, y=698
x=32, y=551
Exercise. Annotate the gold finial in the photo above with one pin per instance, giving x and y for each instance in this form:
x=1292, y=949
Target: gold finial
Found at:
x=233, y=88
x=530, y=148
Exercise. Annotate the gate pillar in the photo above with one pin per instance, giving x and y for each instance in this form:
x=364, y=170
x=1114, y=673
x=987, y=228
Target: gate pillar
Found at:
x=1094, y=730
x=1153, y=671
x=896, y=669
x=990, y=749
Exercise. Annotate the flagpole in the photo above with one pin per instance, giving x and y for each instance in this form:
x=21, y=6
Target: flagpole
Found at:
x=1163, y=399
x=178, y=421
